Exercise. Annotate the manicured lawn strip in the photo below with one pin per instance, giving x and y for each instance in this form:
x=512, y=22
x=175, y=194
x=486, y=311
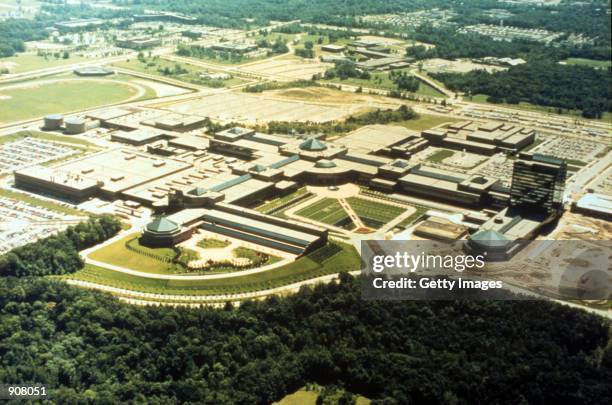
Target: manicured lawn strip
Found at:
x=426, y=121
x=46, y=136
x=335, y=257
x=38, y=202
x=270, y=205
x=328, y=211
x=376, y=211
x=210, y=243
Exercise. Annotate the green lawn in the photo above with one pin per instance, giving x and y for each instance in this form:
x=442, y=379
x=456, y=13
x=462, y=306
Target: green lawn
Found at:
x=25, y=62
x=440, y=155
x=372, y=213
x=39, y=202
x=43, y=97
x=333, y=258
x=599, y=64
x=329, y=211
x=426, y=121
x=146, y=260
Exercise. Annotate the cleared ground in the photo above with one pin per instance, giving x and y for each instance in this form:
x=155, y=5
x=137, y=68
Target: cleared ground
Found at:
x=249, y=108
x=333, y=258
x=288, y=68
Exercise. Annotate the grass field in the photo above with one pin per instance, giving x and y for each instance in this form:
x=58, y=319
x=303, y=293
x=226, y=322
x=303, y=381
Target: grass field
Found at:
x=381, y=80
x=372, y=213
x=305, y=396
x=329, y=211
x=119, y=255
x=39, y=202
x=426, y=121
x=26, y=62
x=39, y=98
x=333, y=258
x=189, y=73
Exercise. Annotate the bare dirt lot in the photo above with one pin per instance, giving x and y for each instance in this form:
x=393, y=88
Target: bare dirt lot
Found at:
x=287, y=68
x=316, y=104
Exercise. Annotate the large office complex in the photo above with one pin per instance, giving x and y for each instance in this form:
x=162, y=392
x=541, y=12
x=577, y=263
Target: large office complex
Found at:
x=538, y=183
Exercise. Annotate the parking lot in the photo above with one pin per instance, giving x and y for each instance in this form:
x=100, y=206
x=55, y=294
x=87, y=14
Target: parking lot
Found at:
x=30, y=151
x=22, y=223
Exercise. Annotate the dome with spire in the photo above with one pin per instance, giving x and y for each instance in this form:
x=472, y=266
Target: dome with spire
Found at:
x=313, y=145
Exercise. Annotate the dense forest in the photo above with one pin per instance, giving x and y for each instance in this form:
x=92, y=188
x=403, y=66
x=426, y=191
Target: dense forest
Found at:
x=544, y=83
x=90, y=348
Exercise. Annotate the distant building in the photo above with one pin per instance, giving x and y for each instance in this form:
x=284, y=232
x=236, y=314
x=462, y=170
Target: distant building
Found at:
x=333, y=48
x=538, y=183
x=138, y=42
x=234, y=47
x=165, y=16
x=71, y=25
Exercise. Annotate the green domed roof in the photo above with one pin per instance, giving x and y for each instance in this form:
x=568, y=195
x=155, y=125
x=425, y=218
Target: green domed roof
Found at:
x=325, y=164
x=489, y=239
x=162, y=225
x=313, y=144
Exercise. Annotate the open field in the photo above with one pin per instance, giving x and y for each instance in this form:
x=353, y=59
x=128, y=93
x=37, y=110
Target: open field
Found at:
x=374, y=214
x=309, y=397
x=62, y=94
x=381, y=80
x=187, y=73
x=329, y=211
x=26, y=62
x=333, y=96
x=250, y=108
x=334, y=258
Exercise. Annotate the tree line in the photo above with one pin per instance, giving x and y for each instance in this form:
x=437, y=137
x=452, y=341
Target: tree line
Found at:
x=540, y=82
x=91, y=348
